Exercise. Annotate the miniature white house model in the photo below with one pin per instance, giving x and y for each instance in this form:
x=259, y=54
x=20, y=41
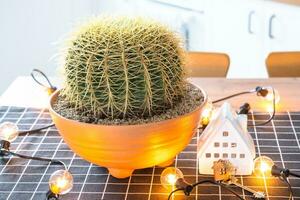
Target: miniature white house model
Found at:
x=226, y=137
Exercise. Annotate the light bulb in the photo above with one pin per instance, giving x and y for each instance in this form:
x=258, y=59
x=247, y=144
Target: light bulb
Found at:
x=270, y=108
x=61, y=182
x=269, y=97
x=169, y=177
x=206, y=113
x=263, y=166
x=8, y=131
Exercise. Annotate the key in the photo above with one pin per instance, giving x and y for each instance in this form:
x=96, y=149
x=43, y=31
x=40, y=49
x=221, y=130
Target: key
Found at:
x=256, y=194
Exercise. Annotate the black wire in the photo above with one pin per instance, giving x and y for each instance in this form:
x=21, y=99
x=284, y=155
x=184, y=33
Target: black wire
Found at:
x=35, y=130
x=44, y=75
x=231, y=96
x=170, y=195
x=284, y=178
x=249, y=92
x=294, y=174
x=41, y=84
x=51, y=161
x=211, y=182
x=204, y=181
x=273, y=113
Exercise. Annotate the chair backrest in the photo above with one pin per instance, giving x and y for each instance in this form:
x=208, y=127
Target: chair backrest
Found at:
x=205, y=64
x=283, y=64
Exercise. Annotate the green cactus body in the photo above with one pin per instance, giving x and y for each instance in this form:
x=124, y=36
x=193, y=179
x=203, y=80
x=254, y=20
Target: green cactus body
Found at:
x=123, y=67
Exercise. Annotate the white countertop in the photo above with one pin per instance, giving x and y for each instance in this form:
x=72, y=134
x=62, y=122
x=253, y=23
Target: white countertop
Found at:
x=24, y=92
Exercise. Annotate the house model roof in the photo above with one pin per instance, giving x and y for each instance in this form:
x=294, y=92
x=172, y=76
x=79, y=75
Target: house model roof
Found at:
x=220, y=119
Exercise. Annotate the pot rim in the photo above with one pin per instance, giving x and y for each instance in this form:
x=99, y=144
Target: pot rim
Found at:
x=55, y=94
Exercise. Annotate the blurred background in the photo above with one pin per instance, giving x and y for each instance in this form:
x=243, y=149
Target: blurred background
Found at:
x=247, y=30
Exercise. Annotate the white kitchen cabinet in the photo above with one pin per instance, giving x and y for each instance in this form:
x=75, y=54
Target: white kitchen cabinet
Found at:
x=252, y=56
x=236, y=30
x=248, y=30
x=283, y=27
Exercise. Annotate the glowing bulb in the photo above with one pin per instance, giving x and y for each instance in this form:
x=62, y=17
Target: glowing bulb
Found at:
x=172, y=179
x=270, y=108
x=50, y=91
x=61, y=182
x=8, y=131
x=206, y=113
x=263, y=166
x=269, y=97
x=169, y=177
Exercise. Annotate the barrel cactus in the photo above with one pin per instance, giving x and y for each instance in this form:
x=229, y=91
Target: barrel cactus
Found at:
x=123, y=67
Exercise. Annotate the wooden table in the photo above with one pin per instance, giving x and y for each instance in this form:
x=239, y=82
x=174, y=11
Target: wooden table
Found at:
x=288, y=88
x=26, y=93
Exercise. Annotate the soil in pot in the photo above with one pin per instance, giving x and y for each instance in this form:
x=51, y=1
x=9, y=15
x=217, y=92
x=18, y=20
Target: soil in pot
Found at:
x=189, y=102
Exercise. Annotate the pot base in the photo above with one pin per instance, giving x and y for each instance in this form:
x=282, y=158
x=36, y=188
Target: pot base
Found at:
x=120, y=173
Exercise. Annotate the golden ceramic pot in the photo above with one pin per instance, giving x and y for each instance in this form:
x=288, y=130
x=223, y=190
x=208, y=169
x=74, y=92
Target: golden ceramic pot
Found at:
x=124, y=148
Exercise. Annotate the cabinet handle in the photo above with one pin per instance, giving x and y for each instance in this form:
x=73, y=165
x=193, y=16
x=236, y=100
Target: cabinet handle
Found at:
x=186, y=34
x=271, y=36
x=251, y=13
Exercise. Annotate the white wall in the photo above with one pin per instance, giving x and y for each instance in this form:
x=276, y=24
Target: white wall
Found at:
x=30, y=30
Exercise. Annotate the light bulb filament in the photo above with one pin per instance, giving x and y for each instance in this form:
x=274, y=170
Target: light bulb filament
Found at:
x=8, y=131
x=172, y=178
x=61, y=183
x=269, y=96
x=272, y=94
x=264, y=167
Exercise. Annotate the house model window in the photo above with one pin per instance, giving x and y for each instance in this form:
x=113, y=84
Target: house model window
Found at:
x=226, y=137
x=225, y=133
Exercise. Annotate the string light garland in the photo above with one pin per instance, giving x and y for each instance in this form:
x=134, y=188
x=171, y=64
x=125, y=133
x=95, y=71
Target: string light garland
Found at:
x=267, y=93
x=172, y=177
x=9, y=132
x=61, y=181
